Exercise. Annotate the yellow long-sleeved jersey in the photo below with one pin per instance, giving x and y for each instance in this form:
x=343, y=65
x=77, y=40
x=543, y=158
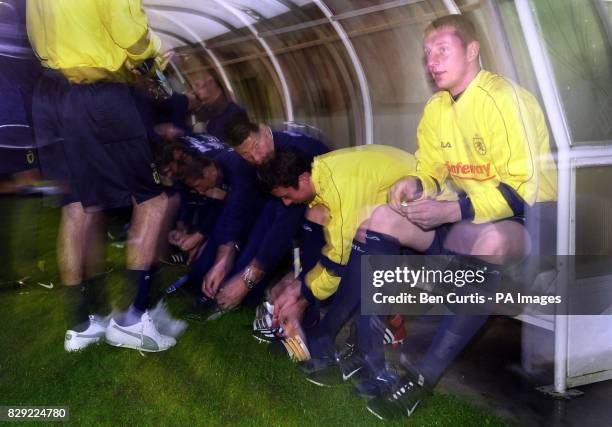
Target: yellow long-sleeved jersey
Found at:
x=78, y=35
x=350, y=183
x=491, y=144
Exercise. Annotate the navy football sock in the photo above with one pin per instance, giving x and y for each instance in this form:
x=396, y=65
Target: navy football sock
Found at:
x=95, y=294
x=453, y=334
x=371, y=329
x=141, y=280
x=456, y=331
x=312, y=241
x=381, y=244
x=348, y=297
x=370, y=334
x=76, y=311
x=343, y=305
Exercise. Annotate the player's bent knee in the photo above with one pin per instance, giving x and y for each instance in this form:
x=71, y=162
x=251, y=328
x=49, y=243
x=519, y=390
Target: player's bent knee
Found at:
x=385, y=220
x=502, y=242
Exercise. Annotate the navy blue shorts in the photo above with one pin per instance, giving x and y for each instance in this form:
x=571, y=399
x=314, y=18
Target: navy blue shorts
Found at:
x=437, y=245
x=92, y=139
x=441, y=232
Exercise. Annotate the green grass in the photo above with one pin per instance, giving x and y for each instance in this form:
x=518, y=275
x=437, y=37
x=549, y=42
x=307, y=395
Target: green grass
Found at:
x=216, y=375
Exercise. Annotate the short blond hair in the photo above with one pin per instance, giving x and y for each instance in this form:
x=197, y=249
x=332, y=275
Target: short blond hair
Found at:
x=463, y=27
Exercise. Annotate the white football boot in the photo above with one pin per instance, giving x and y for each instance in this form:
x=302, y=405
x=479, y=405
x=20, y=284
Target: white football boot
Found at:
x=142, y=336
x=75, y=341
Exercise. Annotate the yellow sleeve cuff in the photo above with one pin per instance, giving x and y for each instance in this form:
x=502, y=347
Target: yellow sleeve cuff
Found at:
x=153, y=49
x=321, y=282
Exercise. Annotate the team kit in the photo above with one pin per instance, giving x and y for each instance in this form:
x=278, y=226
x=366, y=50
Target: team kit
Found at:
x=275, y=219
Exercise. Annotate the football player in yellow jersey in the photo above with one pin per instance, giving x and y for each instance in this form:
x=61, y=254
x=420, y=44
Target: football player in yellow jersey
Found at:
x=349, y=184
x=486, y=137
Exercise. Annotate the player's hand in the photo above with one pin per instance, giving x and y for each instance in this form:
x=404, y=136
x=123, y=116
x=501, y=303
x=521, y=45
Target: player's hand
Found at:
x=216, y=275
x=290, y=317
x=403, y=191
x=213, y=279
x=290, y=296
x=190, y=241
x=141, y=68
x=175, y=237
x=165, y=59
x=429, y=214
x=278, y=289
x=232, y=293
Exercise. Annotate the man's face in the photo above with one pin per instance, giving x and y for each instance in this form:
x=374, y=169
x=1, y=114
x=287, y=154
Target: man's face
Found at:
x=206, y=90
x=258, y=148
x=206, y=182
x=174, y=168
x=290, y=195
x=450, y=63
x=194, y=103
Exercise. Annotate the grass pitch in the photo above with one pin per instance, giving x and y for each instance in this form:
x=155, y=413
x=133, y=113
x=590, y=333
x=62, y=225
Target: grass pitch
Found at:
x=216, y=375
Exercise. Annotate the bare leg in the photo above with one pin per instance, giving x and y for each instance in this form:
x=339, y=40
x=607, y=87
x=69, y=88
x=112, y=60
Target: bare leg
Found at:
x=142, y=244
x=144, y=232
x=167, y=224
x=94, y=244
x=501, y=241
x=70, y=253
x=386, y=221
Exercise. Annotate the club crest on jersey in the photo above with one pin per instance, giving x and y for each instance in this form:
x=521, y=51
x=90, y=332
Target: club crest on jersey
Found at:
x=445, y=144
x=30, y=157
x=479, y=145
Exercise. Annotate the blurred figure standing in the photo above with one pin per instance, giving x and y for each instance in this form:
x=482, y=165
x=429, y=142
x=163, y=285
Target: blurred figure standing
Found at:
x=217, y=108
x=89, y=49
x=19, y=176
